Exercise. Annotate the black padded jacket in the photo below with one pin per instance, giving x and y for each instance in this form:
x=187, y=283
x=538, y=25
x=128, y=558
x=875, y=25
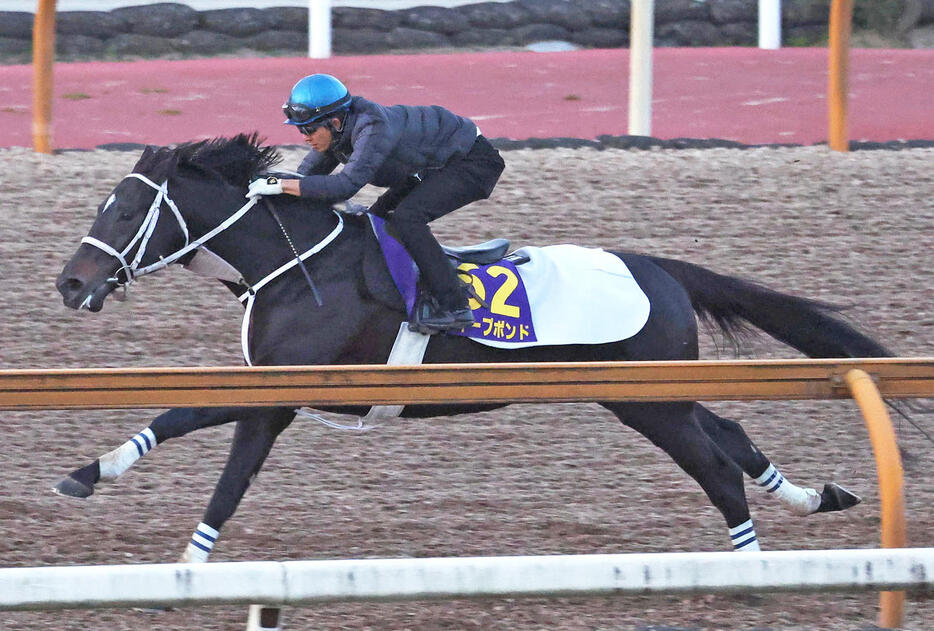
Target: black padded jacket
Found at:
x=384, y=146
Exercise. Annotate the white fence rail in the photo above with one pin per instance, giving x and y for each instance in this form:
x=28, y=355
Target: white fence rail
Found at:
x=308, y=582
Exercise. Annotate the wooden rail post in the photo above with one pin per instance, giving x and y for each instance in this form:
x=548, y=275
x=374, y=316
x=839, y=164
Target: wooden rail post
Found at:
x=889, y=470
x=43, y=59
x=841, y=19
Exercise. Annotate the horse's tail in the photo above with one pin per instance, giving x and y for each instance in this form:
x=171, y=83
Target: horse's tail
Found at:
x=813, y=327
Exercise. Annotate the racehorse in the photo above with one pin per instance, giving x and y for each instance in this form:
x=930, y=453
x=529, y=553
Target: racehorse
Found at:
x=341, y=306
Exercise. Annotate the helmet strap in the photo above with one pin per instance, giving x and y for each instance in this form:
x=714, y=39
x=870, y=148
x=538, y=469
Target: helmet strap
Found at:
x=336, y=132
x=342, y=117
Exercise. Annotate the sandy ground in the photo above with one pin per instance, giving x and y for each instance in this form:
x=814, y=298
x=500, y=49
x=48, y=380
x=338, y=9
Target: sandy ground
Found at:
x=530, y=479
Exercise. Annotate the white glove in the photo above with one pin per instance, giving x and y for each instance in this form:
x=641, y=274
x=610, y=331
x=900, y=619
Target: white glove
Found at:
x=266, y=186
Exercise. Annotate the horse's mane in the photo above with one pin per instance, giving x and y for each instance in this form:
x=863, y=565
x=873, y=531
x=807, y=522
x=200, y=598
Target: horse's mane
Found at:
x=235, y=160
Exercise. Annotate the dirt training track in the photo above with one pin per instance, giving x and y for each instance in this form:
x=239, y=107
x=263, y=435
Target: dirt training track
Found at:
x=530, y=479
x=743, y=94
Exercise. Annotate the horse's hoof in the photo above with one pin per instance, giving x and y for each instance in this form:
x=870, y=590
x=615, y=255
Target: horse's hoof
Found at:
x=72, y=488
x=834, y=497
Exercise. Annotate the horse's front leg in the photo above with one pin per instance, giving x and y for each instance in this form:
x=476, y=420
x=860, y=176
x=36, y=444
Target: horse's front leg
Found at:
x=172, y=424
x=253, y=438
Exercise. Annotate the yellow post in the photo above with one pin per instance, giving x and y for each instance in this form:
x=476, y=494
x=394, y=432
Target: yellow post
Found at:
x=43, y=58
x=889, y=469
x=841, y=18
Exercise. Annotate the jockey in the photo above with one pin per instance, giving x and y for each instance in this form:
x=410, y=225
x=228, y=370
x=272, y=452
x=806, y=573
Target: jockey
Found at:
x=431, y=161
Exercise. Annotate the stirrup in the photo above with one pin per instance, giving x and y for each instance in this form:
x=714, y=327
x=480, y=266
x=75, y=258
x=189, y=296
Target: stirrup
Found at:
x=449, y=320
x=427, y=308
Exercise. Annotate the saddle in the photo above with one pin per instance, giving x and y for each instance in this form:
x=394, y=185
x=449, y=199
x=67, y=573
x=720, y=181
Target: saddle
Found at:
x=481, y=254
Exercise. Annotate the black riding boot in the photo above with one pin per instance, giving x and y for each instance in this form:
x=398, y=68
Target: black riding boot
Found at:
x=449, y=310
x=444, y=319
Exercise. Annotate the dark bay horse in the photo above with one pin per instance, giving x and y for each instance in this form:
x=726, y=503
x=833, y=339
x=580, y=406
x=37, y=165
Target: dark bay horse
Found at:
x=341, y=307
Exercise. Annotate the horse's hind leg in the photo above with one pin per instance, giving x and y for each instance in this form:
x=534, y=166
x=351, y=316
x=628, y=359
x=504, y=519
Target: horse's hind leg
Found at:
x=172, y=424
x=253, y=438
x=674, y=428
x=732, y=439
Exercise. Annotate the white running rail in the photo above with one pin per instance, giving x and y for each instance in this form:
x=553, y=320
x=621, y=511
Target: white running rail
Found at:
x=308, y=582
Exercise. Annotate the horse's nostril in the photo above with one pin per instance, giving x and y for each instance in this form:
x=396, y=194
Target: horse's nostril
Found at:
x=69, y=285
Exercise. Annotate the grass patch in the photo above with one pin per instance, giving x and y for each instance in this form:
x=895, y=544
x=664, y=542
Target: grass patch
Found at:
x=572, y=97
x=76, y=96
x=169, y=112
x=154, y=90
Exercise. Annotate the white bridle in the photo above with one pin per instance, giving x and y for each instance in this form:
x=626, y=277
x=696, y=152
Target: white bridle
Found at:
x=133, y=271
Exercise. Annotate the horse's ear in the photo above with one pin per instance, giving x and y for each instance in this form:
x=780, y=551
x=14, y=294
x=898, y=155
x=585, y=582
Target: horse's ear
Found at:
x=145, y=158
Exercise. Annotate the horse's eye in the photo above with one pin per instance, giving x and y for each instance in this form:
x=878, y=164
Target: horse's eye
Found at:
x=126, y=215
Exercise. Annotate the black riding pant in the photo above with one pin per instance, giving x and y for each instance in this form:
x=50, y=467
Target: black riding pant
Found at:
x=463, y=179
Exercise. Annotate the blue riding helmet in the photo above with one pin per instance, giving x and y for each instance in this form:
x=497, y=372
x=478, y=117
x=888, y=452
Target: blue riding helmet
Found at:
x=314, y=98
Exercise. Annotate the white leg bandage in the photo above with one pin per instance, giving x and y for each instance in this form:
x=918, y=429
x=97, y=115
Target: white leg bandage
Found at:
x=114, y=463
x=744, y=537
x=801, y=501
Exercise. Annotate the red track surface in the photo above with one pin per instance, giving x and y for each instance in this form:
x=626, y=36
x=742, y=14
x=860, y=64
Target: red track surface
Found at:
x=743, y=94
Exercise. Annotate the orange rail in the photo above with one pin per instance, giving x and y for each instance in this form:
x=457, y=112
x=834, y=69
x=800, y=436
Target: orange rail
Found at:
x=889, y=470
x=101, y=388
x=43, y=60
x=841, y=19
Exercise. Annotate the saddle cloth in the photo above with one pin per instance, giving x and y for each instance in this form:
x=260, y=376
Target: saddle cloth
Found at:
x=539, y=296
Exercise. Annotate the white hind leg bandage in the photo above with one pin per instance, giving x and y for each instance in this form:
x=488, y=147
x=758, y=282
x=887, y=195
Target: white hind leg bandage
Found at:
x=801, y=501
